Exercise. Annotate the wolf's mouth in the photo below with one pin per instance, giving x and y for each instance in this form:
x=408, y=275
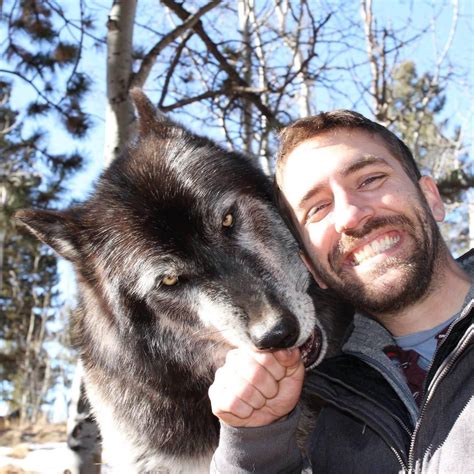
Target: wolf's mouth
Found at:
x=311, y=349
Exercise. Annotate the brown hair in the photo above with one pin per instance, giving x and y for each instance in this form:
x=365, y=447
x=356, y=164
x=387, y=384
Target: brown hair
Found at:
x=310, y=127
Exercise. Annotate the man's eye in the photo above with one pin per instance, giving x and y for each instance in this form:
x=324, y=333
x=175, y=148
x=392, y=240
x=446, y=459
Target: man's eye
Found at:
x=371, y=179
x=316, y=212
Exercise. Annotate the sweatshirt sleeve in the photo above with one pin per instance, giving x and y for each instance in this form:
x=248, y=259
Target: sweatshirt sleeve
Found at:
x=264, y=450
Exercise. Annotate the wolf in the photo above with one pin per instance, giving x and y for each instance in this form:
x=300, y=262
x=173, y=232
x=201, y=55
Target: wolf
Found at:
x=180, y=255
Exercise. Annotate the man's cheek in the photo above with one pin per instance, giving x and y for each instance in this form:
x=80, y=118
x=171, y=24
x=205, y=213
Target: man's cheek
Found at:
x=320, y=244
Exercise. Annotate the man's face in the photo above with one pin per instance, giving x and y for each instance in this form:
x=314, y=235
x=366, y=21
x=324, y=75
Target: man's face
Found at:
x=369, y=232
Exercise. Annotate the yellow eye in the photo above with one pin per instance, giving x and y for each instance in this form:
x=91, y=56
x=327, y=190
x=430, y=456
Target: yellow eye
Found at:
x=169, y=280
x=228, y=220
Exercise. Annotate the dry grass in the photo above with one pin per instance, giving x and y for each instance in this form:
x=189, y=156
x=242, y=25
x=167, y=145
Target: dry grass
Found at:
x=12, y=470
x=20, y=451
x=39, y=433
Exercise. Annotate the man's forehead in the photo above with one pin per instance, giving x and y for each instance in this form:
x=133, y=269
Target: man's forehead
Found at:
x=336, y=154
x=334, y=147
x=341, y=135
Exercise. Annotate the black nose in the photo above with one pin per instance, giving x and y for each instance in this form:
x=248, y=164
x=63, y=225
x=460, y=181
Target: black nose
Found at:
x=280, y=335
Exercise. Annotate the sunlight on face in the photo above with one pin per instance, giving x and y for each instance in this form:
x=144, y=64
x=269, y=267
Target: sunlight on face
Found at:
x=370, y=233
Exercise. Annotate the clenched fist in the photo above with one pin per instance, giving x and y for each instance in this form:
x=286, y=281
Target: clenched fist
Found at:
x=257, y=388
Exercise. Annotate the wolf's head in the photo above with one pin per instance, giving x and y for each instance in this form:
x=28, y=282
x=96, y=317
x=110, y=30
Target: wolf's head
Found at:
x=180, y=250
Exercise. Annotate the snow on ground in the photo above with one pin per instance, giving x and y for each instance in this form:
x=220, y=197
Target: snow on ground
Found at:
x=47, y=458
x=44, y=458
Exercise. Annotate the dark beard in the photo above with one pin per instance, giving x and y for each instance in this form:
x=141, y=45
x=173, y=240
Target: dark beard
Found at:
x=416, y=274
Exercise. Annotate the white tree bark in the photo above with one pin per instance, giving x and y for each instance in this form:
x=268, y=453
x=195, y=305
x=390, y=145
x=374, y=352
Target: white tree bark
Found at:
x=119, y=114
x=263, y=152
x=244, y=27
x=304, y=98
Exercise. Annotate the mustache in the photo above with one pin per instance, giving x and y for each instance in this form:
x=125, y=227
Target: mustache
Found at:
x=352, y=237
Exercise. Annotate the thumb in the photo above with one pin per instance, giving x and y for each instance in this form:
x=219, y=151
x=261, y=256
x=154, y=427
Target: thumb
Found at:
x=289, y=358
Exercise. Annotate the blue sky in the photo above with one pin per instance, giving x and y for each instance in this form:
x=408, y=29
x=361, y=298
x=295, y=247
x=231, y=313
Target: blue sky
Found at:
x=397, y=13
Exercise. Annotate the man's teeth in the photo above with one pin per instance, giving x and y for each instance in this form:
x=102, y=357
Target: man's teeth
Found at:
x=374, y=248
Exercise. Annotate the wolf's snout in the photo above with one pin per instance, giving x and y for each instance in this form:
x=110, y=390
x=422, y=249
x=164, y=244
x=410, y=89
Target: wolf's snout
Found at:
x=275, y=335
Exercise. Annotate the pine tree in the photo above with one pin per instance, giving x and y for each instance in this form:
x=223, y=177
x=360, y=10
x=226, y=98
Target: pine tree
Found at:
x=415, y=105
x=28, y=270
x=41, y=56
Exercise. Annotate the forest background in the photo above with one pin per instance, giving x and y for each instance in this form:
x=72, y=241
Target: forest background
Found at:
x=234, y=70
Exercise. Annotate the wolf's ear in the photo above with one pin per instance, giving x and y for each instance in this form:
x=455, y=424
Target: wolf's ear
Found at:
x=55, y=228
x=149, y=119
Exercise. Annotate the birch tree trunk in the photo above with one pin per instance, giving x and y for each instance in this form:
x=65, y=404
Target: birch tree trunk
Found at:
x=262, y=145
x=119, y=115
x=304, y=98
x=244, y=26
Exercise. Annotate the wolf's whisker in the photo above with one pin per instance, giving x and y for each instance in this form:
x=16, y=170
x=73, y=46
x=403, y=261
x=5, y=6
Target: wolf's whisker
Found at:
x=209, y=333
x=214, y=345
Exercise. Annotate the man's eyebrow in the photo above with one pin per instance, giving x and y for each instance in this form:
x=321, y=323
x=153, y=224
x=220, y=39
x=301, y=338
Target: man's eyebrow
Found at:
x=309, y=194
x=362, y=162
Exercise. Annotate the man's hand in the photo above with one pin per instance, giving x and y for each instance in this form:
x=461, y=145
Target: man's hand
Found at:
x=257, y=388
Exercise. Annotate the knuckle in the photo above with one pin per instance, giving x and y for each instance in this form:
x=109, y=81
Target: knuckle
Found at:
x=258, y=376
x=255, y=398
x=246, y=391
x=271, y=390
x=239, y=408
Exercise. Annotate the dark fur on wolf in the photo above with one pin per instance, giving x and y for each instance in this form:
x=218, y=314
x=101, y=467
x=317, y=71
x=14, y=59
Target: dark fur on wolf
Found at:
x=180, y=254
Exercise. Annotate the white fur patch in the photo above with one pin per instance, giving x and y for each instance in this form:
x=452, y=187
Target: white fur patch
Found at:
x=222, y=317
x=120, y=449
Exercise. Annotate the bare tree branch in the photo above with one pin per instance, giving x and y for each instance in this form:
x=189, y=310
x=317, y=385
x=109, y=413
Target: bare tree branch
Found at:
x=139, y=78
x=225, y=65
x=189, y=100
x=171, y=69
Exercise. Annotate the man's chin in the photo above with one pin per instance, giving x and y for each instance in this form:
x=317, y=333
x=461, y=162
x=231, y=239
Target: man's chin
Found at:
x=379, y=291
x=388, y=275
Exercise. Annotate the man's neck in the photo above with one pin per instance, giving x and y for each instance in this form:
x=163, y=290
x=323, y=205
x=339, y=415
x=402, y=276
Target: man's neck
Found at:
x=444, y=299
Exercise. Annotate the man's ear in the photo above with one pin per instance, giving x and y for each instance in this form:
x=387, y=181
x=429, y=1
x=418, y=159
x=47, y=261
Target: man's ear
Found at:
x=310, y=268
x=431, y=193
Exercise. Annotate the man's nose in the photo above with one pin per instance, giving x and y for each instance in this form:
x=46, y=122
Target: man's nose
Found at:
x=351, y=212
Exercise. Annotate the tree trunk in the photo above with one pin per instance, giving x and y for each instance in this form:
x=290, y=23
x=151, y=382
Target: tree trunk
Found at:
x=247, y=128
x=119, y=114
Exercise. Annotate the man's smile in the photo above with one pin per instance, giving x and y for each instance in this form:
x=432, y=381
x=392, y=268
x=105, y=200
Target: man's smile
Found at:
x=379, y=245
x=353, y=252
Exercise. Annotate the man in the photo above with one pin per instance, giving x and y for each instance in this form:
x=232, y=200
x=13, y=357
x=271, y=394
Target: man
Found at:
x=399, y=396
